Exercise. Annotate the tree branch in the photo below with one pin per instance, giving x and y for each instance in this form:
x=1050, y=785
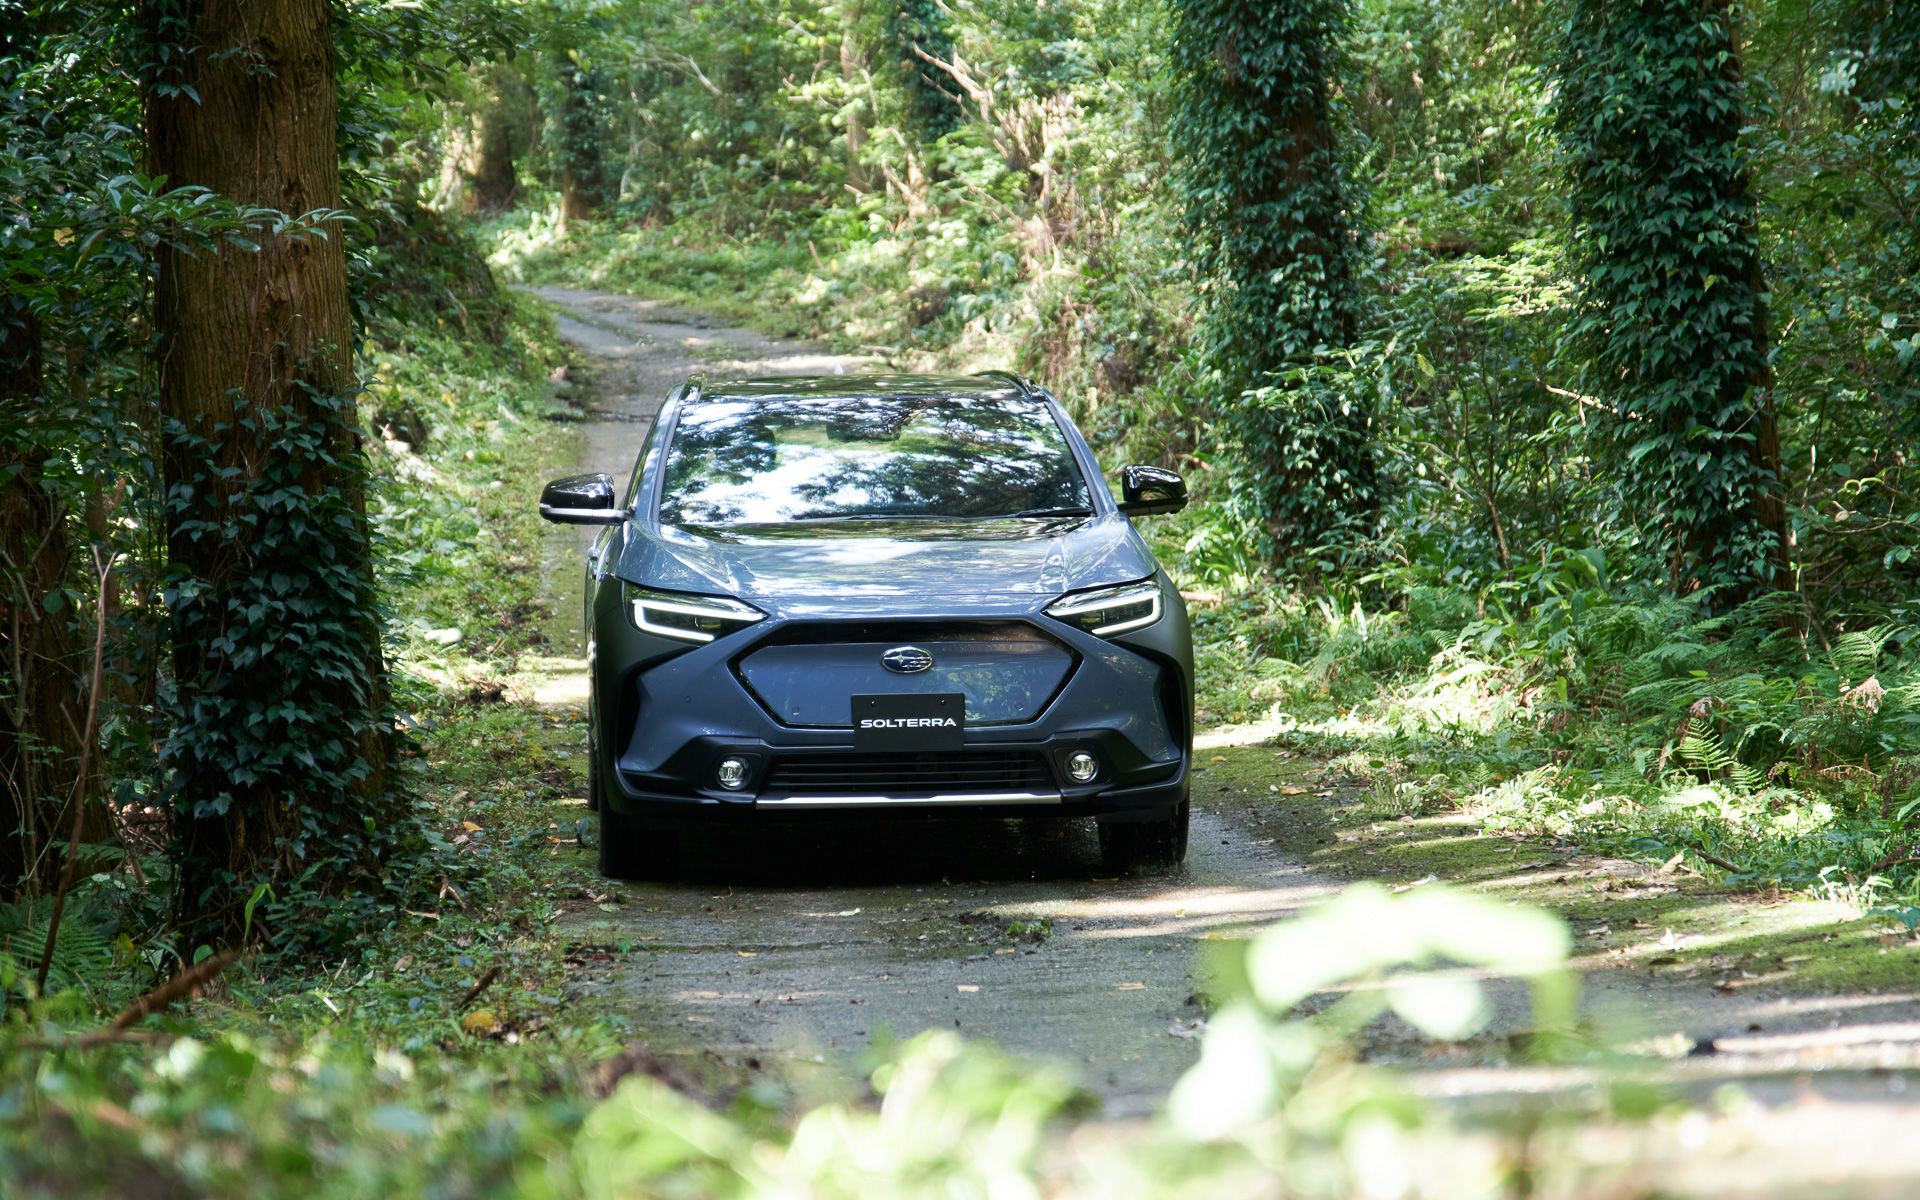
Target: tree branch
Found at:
x=180, y=985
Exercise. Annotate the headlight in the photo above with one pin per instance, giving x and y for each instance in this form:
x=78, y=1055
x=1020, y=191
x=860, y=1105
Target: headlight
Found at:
x=688, y=618
x=1110, y=610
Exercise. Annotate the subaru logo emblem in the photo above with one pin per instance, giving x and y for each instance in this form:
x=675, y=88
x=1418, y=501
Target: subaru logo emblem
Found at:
x=906, y=660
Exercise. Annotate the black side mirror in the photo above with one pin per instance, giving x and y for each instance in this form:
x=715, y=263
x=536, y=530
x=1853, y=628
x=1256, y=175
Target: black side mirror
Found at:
x=1145, y=491
x=581, y=500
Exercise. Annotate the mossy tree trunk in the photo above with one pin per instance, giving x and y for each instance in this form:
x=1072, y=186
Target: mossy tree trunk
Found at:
x=495, y=181
x=922, y=27
x=583, y=171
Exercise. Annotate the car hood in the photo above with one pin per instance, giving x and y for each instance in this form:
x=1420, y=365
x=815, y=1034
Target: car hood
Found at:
x=886, y=560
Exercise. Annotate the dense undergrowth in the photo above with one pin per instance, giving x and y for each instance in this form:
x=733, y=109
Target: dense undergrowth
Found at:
x=1636, y=726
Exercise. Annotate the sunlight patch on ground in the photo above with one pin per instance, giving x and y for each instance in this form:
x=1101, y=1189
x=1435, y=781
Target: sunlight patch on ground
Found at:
x=1180, y=912
x=567, y=690
x=1279, y=724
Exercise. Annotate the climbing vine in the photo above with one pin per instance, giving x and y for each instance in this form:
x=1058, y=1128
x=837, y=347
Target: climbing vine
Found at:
x=921, y=27
x=1672, y=319
x=280, y=724
x=1272, y=212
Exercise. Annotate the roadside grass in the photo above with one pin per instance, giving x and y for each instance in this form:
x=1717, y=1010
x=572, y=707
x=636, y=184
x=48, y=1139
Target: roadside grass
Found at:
x=689, y=266
x=1354, y=822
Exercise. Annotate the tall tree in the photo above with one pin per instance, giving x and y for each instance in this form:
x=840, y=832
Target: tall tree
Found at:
x=921, y=30
x=583, y=170
x=853, y=77
x=280, y=755
x=1650, y=102
x=40, y=693
x=1271, y=208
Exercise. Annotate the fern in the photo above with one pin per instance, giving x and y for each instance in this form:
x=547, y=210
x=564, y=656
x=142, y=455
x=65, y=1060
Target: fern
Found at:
x=1623, y=777
x=82, y=951
x=1856, y=655
x=1712, y=757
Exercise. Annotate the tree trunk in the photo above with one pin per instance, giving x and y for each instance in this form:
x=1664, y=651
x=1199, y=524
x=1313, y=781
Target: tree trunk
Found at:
x=1650, y=102
x=281, y=744
x=495, y=182
x=40, y=688
x=582, y=164
x=852, y=71
x=918, y=27
x=1271, y=211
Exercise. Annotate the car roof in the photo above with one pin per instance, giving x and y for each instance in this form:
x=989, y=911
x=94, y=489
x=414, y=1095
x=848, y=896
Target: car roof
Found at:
x=994, y=386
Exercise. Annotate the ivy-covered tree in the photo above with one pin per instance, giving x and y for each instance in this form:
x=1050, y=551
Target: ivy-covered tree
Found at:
x=1650, y=104
x=920, y=29
x=282, y=745
x=1272, y=213
x=579, y=125
x=1877, y=71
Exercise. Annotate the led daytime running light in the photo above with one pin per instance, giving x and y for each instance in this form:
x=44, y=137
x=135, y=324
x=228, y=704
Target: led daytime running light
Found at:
x=1128, y=596
x=728, y=612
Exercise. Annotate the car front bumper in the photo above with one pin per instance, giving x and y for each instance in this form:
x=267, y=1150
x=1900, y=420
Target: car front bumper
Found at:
x=665, y=716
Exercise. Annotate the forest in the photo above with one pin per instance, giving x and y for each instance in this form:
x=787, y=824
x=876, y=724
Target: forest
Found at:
x=1545, y=373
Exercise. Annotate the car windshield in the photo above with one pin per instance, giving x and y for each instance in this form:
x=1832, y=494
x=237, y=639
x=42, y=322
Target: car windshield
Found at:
x=765, y=462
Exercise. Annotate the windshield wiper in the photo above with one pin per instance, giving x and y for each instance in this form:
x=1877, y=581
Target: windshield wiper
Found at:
x=1048, y=512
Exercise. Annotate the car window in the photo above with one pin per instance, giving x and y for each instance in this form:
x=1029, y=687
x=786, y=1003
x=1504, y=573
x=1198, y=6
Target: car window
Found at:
x=772, y=461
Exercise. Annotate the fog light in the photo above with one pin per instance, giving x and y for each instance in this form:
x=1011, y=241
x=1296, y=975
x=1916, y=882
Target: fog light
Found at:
x=1082, y=767
x=732, y=773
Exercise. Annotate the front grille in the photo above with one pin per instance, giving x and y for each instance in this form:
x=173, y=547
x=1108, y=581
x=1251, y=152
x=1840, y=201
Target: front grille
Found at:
x=960, y=771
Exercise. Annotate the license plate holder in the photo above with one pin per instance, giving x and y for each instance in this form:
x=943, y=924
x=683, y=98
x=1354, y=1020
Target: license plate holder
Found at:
x=927, y=722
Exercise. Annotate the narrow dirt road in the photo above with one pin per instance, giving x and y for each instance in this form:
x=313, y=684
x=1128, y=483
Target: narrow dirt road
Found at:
x=792, y=943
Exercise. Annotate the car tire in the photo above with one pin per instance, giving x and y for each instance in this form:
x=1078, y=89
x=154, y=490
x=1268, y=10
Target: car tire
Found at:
x=635, y=850
x=1125, y=845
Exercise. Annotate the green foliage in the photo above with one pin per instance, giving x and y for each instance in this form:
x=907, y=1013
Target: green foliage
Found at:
x=1651, y=102
x=270, y=728
x=953, y=1118
x=230, y=1114
x=577, y=132
x=345, y=1113
x=82, y=949
x=1271, y=211
x=1572, y=707
x=1256, y=1070
x=1446, y=100
x=921, y=28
